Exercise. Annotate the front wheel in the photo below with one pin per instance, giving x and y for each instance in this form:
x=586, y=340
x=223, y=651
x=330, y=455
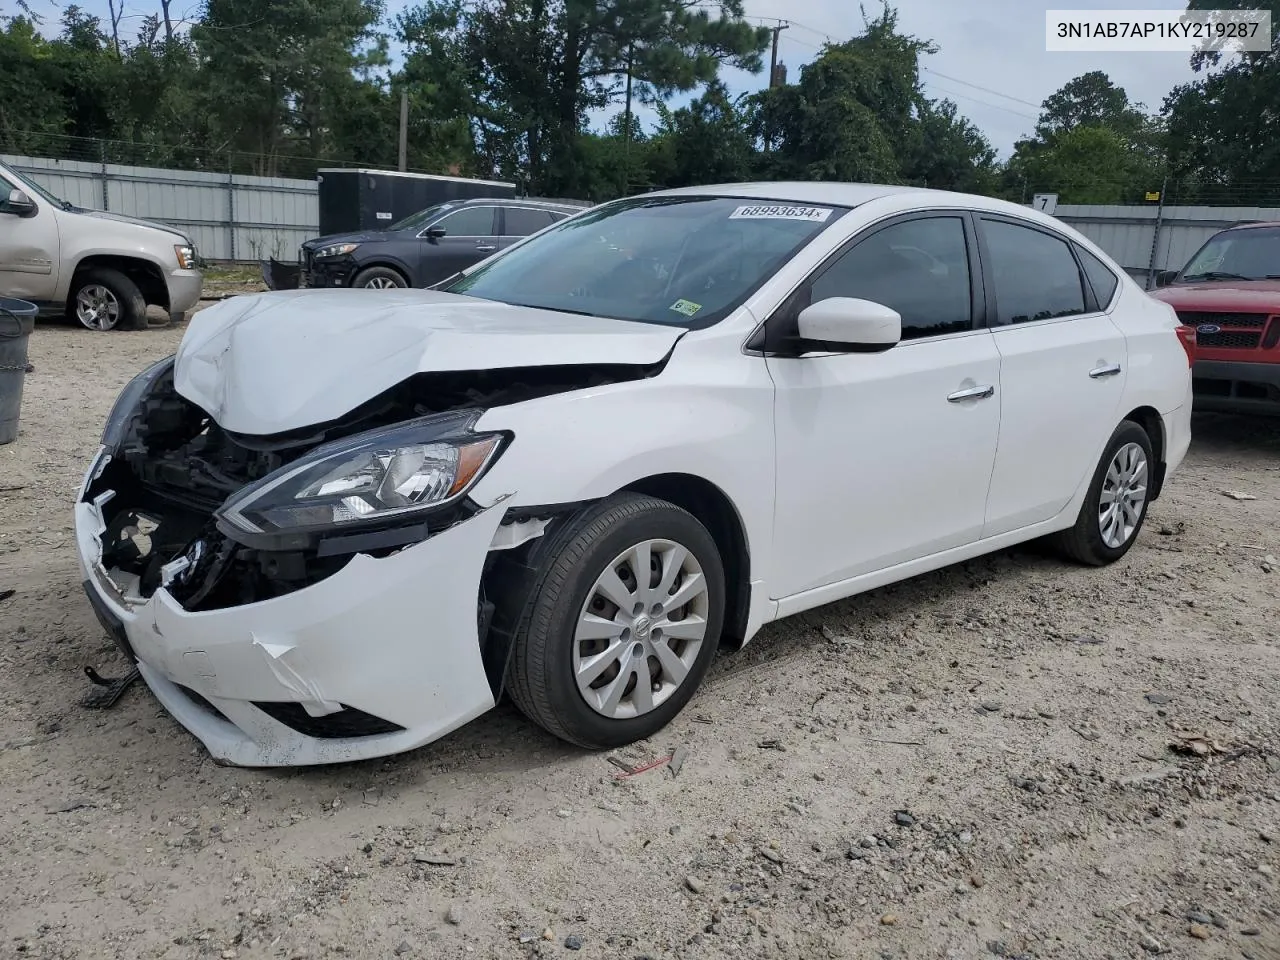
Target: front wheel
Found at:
x=1116, y=504
x=103, y=299
x=379, y=278
x=621, y=625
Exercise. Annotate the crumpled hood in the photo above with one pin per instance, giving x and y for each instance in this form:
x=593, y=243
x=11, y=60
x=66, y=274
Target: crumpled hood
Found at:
x=136, y=221
x=270, y=362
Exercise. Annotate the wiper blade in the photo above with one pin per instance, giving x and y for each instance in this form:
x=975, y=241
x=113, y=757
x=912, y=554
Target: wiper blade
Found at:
x=1214, y=275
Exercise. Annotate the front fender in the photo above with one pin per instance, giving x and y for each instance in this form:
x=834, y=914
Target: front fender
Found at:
x=713, y=420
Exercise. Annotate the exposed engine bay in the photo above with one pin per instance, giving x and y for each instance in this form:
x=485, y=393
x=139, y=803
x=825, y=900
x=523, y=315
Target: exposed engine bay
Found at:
x=173, y=467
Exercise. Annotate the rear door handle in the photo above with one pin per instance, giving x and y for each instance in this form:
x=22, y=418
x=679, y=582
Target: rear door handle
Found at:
x=486, y=247
x=972, y=393
x=1108, y=371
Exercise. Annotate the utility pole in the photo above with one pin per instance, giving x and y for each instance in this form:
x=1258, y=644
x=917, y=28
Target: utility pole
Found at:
x=773, y=59
x=404, y=131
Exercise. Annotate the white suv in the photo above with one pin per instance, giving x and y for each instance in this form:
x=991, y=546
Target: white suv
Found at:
x=338, y=526
x=101, y=269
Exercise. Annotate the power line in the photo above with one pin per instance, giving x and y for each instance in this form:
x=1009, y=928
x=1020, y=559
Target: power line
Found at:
x=976, y=86
x=987, y=103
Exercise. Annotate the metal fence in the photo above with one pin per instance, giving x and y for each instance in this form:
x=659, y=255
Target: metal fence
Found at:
x=234, y=216
x=1147, y=239
x=230, y=216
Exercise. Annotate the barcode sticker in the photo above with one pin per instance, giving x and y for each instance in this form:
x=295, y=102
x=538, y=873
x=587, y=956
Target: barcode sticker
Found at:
x=776, y=212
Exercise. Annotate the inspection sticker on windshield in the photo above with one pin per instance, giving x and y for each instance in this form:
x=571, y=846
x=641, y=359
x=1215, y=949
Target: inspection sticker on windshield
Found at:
x=687, y=307
x=776, y=212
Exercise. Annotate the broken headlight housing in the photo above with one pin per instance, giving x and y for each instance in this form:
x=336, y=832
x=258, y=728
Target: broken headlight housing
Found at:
x=391, y=474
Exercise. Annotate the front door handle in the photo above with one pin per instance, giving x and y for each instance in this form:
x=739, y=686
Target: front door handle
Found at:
x=972, y=393
x=486, y=247
x=1108, y=371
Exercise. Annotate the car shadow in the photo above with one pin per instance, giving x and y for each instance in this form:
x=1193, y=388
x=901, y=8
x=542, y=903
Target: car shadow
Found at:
x=1234, y=433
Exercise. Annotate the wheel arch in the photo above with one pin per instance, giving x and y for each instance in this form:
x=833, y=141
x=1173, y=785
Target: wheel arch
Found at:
x=712, y=507
x=1149, y=419
x=147, y=275
x=386, y=263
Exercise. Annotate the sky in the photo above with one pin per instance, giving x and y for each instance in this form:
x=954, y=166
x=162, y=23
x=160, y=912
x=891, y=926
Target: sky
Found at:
x=991, y=61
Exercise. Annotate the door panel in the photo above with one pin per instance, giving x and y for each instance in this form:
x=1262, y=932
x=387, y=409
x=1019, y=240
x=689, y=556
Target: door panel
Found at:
x=1062, y=378
x=471, y=236
x=875, y=465
x=886, y=457
x=28, y=251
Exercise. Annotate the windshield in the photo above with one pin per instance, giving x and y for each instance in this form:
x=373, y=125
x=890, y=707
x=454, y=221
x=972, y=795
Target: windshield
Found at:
x=686, y=261
x=1252, y=254
x=33, y=187
x=419, y=219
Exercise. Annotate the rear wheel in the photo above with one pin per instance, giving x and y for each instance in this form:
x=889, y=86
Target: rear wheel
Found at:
x=1116, y=505
x=621, y=625
x=379, y=278
x=104, y=299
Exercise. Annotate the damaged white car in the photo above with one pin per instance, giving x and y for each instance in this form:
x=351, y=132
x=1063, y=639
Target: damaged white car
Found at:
x=339, y=525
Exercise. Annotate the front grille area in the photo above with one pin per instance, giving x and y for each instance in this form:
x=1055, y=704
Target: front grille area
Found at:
x=1230, y=339
x=1252, y=320
x=347, y=722
x=201, y=702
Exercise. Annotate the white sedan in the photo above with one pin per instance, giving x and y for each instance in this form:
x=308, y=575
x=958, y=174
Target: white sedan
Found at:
x=338, y=524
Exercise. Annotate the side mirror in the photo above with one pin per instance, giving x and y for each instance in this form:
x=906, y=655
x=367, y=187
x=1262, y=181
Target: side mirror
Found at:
x=435, y=233
x=1165, y=277
x=18, y=204
x=849, y=325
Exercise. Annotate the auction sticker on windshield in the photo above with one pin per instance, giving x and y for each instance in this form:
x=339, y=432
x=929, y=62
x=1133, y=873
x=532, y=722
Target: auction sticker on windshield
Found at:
x=812, y=214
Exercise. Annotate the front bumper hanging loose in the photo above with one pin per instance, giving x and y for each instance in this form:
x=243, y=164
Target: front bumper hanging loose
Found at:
x=380, y=657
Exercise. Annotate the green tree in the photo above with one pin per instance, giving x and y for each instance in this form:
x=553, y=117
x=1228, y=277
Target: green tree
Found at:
x=1091, y=145
x=1090, y=100
x=31, y=106
x=708, y=141
x=853, y=114
x=950, y=153
x=1223, y=129
x=536, y=68
x=274, y=73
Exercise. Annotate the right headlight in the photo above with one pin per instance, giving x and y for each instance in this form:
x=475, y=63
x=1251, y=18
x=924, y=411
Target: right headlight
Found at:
x=386, y=474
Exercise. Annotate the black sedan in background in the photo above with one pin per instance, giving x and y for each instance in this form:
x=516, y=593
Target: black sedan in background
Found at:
x=421, y=249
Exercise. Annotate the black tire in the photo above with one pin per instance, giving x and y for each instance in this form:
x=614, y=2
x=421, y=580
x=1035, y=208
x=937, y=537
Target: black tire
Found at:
x=132, y=305
x=541, y=679
x=1083, y=542
x=381, y=276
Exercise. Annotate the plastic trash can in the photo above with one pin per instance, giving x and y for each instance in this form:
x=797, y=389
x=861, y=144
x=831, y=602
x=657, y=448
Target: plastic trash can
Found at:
x=17, y=320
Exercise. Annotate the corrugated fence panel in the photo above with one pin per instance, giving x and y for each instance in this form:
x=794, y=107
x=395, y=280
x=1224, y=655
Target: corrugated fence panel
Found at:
x=228, y=217
x=1127, y=232
x=251, y=218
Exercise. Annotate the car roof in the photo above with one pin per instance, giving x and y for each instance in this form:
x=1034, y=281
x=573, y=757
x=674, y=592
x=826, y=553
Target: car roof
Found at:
x=1255, y=225
x=839, y=194
x=518, y=201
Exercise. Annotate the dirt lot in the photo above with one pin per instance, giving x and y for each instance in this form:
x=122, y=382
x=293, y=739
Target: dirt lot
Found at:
x=976, y=763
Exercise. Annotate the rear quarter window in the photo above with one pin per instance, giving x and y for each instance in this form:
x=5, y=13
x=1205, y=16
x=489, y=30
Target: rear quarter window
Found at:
x=1100, y=277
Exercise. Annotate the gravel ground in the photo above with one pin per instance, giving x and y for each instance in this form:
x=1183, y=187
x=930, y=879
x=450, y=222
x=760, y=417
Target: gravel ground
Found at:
x=976, y=763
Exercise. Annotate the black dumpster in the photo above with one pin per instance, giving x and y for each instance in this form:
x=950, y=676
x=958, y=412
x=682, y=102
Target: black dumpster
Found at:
x=17, y=320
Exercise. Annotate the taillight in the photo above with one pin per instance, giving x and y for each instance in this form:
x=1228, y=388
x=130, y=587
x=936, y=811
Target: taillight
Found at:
x=1187, y=337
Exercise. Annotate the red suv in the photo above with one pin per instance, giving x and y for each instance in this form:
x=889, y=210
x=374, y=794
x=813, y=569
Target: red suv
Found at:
x=1228, y=299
